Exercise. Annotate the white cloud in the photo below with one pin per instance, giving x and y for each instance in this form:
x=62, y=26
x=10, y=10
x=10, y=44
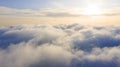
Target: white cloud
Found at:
x=59, y=46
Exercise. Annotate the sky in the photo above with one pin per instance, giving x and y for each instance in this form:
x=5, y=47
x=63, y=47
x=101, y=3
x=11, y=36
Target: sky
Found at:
x=95, y=12
x=59, y=33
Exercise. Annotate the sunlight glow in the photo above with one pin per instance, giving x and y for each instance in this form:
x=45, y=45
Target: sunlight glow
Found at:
x=92, y=10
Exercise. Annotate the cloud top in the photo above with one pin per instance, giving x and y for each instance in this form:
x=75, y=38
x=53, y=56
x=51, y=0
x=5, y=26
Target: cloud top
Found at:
x=71, y=45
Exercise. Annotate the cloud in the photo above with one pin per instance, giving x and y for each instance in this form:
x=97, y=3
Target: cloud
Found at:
x=48, y=12
x=15, y=12
x=71, y=45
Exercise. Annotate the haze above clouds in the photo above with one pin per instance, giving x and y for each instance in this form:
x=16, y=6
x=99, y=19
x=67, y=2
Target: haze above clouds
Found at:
x=97, y=12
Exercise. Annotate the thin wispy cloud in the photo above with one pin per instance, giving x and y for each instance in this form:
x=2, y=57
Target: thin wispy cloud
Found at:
x=51, y=12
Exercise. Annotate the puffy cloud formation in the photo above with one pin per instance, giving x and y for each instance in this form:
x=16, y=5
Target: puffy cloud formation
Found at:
x=71, y=45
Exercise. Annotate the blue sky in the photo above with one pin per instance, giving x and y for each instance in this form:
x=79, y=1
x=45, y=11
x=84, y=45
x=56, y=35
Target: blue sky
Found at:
x=25, y=4
x=37, y=4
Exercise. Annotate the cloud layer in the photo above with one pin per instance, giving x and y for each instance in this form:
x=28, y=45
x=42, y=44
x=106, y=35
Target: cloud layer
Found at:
x=59, y=46
x=50, y=12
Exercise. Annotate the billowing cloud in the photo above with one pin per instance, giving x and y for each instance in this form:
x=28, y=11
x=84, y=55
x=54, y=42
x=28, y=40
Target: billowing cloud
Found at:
x=59, y=46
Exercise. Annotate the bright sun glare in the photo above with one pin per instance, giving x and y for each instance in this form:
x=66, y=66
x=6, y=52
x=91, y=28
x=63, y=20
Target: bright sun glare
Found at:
x=92, y=10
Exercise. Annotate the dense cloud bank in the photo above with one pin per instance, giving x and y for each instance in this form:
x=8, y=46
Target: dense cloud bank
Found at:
x=59, y=46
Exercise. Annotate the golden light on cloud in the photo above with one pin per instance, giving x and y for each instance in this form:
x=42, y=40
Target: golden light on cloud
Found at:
x=93, y=9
